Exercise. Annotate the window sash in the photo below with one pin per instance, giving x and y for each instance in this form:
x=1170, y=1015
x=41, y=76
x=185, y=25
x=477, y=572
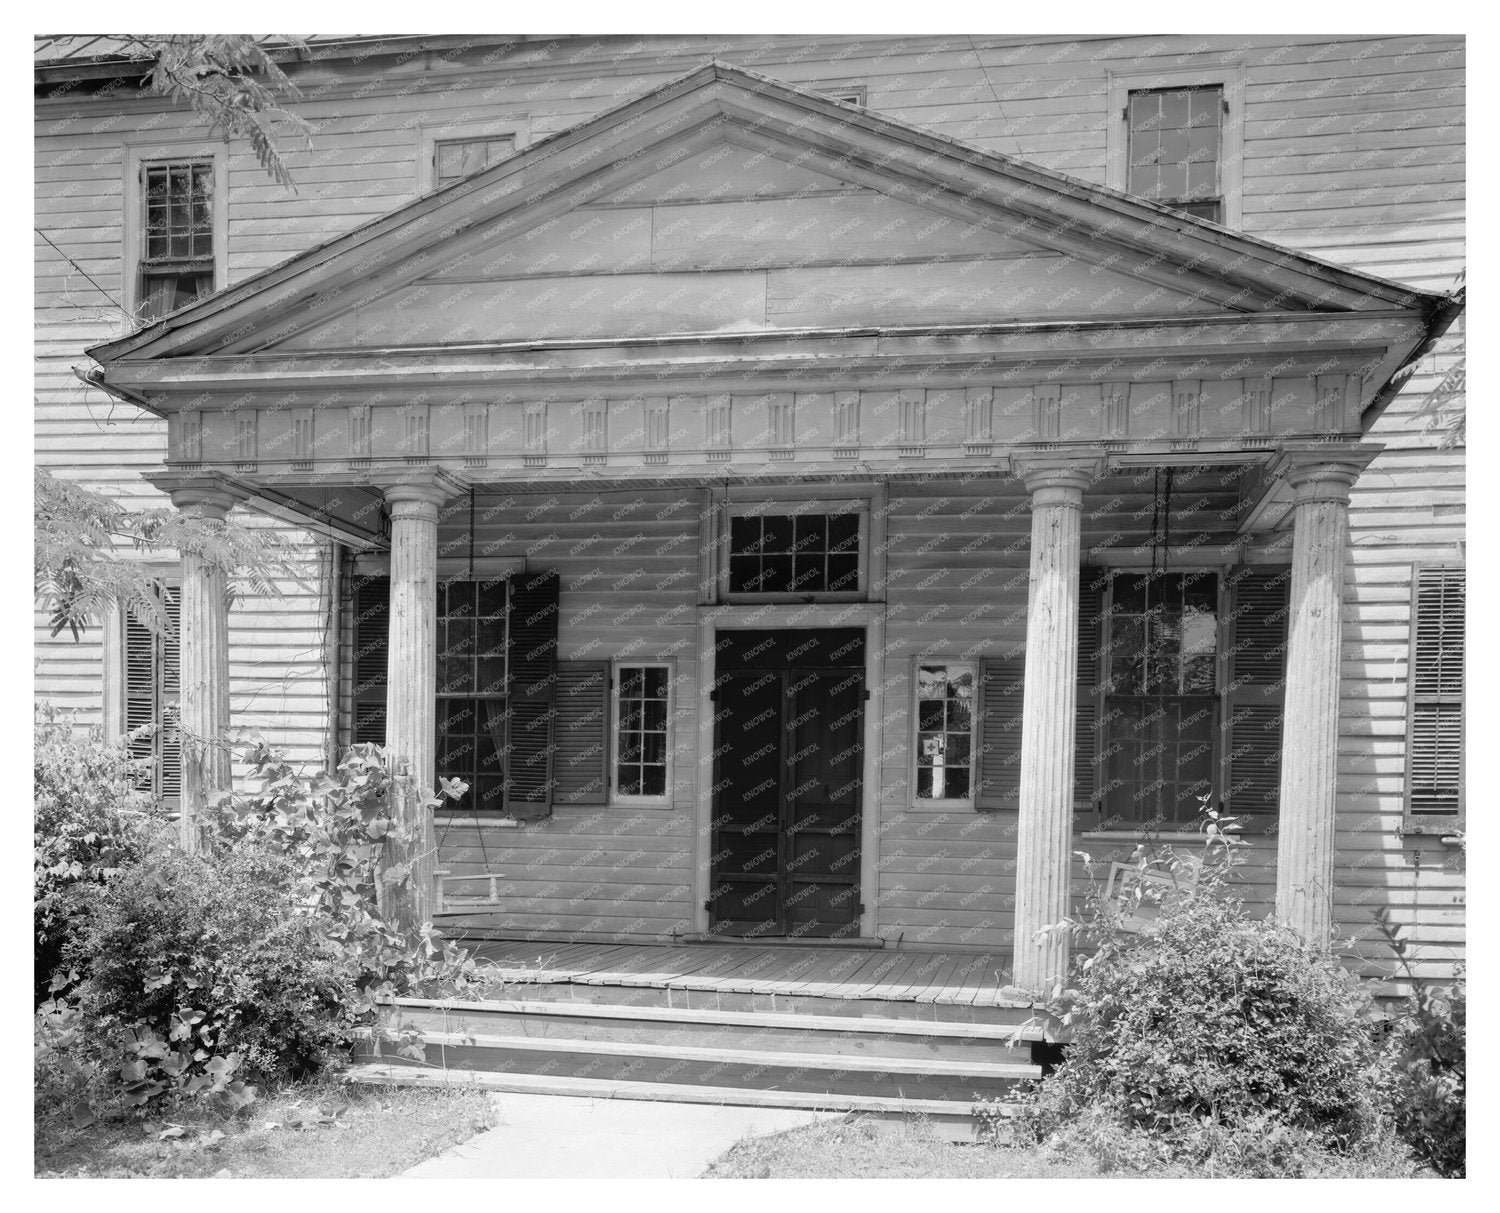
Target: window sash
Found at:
x=1149, y=770
x=1174, y=148
x=640, y=757
x=800, y=548
x=455, y=159
x=942, y=728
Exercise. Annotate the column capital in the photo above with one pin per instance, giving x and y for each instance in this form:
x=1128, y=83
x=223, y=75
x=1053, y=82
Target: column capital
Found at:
x=203, y=501
x=1323, y=471
x=420, y=493
x=1071, y=474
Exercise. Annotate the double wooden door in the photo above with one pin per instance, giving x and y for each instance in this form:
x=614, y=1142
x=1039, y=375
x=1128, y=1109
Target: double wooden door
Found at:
x=789, y=730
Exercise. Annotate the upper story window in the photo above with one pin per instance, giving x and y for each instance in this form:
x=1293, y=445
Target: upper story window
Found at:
x=177, y=260
x=455, y=159
x=796, y=550
x=1177, y=137
x=1176, y=148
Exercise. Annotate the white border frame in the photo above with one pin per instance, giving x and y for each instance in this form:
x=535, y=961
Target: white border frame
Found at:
x=517, y=126
x=871, y=617
x=947, y=804
x=616, y=797
x=139, y=153
x=1230, y=77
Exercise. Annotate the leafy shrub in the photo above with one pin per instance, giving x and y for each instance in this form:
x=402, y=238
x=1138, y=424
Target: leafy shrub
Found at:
x=1206, y=1021
x=1426, y=1069
x=89, y=822
x=266, y=957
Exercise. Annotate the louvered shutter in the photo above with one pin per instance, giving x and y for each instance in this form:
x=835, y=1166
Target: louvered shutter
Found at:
x=1255, y=636
x=580, y=763
x=372, y=643
x=169, y=740
x=152, y=694
x=1091, y=610
x=532, y=667
x=1435, y=744
x=1001, y=681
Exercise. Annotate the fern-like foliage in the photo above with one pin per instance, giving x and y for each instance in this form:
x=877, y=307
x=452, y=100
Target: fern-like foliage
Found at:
x=84, y=562
x=232, y=83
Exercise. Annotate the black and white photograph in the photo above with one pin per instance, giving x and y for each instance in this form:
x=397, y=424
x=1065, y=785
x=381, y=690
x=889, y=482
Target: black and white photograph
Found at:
x=652, y=606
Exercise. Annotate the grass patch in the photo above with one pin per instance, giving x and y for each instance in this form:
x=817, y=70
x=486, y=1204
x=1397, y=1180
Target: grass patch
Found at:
x=860, y=1148
x=320, y=1130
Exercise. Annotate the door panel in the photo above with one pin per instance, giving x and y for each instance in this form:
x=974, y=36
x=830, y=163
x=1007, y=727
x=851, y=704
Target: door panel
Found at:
x=788, y=783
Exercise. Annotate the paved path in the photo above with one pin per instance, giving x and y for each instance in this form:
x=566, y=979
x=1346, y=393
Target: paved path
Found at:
x=568, y=1137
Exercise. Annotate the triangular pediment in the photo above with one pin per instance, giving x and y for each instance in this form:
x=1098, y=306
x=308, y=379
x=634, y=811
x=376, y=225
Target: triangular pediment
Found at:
x=725, y=203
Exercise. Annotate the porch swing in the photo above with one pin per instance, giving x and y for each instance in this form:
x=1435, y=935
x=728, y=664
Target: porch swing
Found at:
x=445, y=904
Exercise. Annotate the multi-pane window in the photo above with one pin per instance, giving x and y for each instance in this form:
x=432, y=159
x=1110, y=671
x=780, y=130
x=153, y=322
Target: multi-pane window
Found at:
x=641, y=714
x=1161, y=695
x=1175, y=139
x=794, y=553
x=471, y=685
x=946, y=707
x=177, y=248
x=152, y=691
x=455, y=159
x=1435, y=745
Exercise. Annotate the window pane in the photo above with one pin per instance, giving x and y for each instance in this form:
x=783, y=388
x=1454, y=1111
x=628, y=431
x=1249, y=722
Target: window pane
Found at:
x=776, y=532
x=744, y=534
x=654, y=781
x=628, y=780
x=654, y=682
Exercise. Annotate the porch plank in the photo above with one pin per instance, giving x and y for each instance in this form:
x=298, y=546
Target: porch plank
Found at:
x=839, y=972
x=893, y=981
x=921, y=974
x=813, y=962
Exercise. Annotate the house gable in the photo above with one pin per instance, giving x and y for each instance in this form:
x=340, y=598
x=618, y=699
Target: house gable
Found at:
x=724, y=202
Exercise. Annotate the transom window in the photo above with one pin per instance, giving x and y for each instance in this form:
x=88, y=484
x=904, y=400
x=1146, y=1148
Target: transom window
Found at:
x=471, y=678
x=809, y=553
x=177, y=265
x=455, y=159
x=1161, y=705
x=642, y=702
x=945, y=704
x=1175, y=137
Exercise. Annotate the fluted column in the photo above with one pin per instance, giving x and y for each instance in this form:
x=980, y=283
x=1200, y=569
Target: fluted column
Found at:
x=203, y=670
x=411, y=695
x=1310, y=730
x=1046, y=820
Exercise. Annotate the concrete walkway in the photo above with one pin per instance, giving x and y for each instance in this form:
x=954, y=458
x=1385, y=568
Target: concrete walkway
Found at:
x=568, y=1137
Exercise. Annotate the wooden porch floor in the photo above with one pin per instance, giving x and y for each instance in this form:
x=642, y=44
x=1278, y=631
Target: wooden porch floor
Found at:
x=974, y=979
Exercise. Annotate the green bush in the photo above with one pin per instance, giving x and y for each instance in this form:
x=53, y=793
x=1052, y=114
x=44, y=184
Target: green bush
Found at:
x=89, y=821
x=261, y=960
x=1426, y=1068
x=1210, y=1020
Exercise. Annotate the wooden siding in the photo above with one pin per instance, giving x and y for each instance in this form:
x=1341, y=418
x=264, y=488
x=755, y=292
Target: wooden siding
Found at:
x=1353, y=151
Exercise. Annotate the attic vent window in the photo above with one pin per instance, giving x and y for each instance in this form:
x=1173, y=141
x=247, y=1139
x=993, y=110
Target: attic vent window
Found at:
x=455, y=159
x=177, y=265
x=1175, y=148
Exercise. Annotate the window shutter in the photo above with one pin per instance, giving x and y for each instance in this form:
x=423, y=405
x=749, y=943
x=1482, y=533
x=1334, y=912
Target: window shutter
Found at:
x=169, y=741
x=580, y=763
x=1254, y=687
x=1001, y=680
x=532, y=666
x=1435, y=744
x=372, y=642
x=152, y=693
x=1091, y=609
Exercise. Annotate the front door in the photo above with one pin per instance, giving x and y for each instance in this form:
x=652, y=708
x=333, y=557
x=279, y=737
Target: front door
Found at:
x=789, y=732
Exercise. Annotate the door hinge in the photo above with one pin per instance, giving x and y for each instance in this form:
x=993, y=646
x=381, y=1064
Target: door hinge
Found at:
x=867, y=694
x=860, y=908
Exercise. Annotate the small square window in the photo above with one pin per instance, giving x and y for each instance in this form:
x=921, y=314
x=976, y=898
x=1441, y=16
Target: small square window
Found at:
x=455, y=159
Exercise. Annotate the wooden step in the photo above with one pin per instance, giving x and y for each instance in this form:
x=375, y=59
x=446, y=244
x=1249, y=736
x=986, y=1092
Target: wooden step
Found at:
x=952, y=1114
x=761, y=1031
x=558, y=988
x=807, y=1073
